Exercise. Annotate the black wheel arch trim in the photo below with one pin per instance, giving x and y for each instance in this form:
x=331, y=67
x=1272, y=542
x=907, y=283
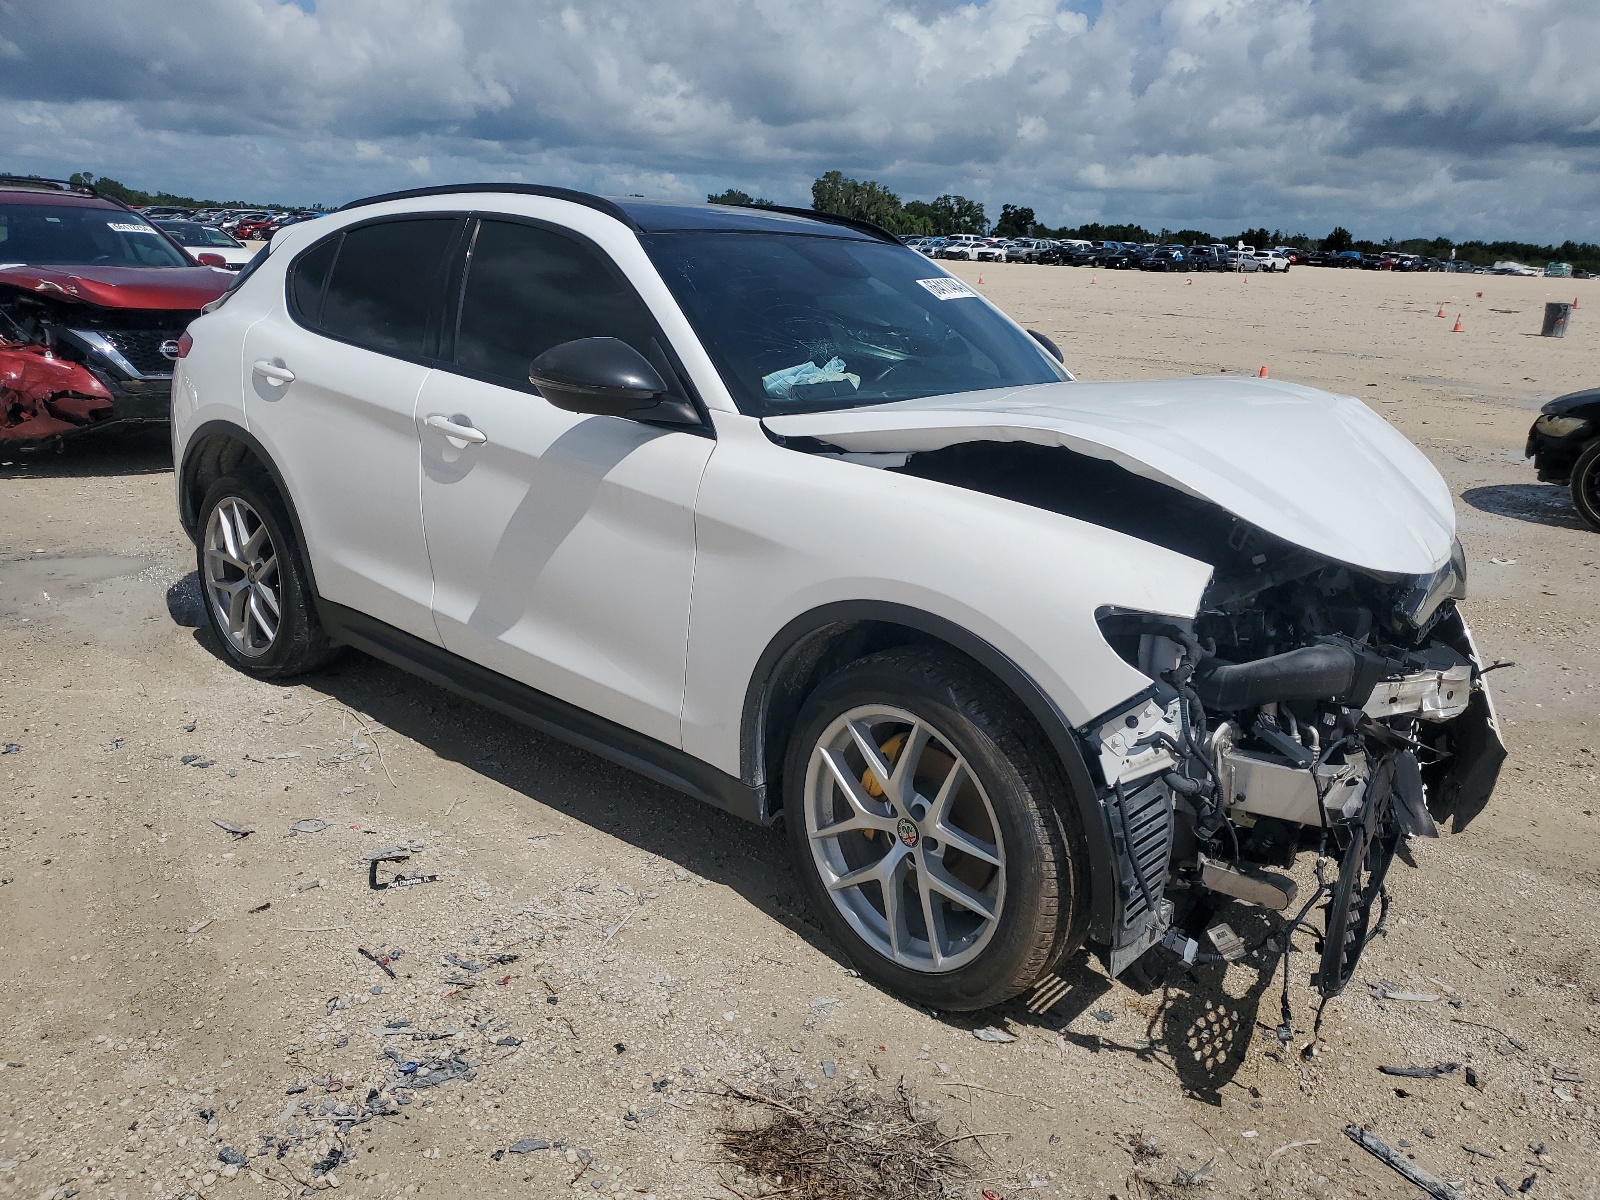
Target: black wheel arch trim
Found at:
x=793, y=637
x=191, y=462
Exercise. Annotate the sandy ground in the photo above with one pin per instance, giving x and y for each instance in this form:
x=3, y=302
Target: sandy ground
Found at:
x=171, y=993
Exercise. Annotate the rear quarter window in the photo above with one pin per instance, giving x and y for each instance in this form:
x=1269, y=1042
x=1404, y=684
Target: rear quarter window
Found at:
x=383, y=285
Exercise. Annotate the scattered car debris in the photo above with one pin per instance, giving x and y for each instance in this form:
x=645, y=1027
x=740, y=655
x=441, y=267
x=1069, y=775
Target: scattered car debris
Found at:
x=237, y=831
x=308, y=825
x=1422, y=1072
x=11, y=748
x=1424, y=1179
x=990, y=1034
x=394, y=854
x=262, y=907
x=381, y=961
x=196, y=760
x=1383, y=990
x=231, y=1157
x=528, y=1146
x=199, y=925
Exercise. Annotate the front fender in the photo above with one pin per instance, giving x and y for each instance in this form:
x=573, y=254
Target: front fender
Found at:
x=781, y=533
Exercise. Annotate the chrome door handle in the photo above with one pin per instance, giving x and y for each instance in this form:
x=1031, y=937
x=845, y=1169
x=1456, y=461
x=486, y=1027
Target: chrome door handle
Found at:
x=272, y=371
x=455, y=432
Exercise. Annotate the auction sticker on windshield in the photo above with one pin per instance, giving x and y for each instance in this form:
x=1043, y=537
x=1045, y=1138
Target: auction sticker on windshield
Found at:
x=124, y=227
x=947, y=288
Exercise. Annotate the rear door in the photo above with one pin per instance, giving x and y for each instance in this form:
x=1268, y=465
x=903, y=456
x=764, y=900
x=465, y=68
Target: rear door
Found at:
x=562, y=544
x=331, y=390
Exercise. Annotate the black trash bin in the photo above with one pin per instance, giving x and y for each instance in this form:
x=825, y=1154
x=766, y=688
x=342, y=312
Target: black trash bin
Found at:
x=1556, y=315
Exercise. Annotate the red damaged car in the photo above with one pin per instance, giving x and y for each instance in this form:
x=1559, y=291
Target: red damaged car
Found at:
x=93, y=300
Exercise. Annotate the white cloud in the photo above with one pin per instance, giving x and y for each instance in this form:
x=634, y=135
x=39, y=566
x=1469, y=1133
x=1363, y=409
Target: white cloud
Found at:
x=1390, y=116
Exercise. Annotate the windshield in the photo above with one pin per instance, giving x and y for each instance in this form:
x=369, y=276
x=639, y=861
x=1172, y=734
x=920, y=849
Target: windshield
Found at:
x=802, y=324
x=192, y=233
x=79, y=235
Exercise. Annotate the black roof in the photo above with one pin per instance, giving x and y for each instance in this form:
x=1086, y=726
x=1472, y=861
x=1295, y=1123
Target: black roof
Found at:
x=662, y=216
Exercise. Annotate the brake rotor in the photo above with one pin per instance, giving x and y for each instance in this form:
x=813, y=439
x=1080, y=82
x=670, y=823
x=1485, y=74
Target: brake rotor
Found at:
x=1374, y=837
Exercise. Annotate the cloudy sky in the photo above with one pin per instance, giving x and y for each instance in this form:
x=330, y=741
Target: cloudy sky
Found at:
x=1465, y=118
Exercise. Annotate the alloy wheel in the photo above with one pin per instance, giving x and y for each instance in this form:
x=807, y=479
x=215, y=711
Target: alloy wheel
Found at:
x=904, y=838
x=241, y=577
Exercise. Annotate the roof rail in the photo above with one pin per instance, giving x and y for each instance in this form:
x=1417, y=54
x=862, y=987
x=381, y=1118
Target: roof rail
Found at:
x=41, y=184
x=600, y=204
x=856, y=223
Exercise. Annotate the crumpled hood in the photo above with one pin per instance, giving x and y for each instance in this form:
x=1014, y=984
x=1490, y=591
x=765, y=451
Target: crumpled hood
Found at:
x=1319, y=470
x=181, y=288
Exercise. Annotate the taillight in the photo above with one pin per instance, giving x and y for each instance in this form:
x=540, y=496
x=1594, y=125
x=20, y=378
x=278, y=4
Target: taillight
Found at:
x=185, y=344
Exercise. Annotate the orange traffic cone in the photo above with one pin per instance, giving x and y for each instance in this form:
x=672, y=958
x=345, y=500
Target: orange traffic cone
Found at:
x=980, y=278
x=1190, y=283
x=1262, y=374
x=1091, y=280
x=1441, y=311
x=1574, y=303
x=1458, y=328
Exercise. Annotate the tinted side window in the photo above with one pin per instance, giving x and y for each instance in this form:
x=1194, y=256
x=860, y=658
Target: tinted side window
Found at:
x=528, y=289
x=385, y=282
x=305, y=281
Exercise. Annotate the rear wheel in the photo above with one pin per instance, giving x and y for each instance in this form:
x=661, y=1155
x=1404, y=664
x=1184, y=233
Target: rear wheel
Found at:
x=922, y=818
x=1586, y=485
x=258, y=599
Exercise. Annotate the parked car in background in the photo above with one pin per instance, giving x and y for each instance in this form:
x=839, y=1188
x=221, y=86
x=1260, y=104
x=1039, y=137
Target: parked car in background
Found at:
x=992, y=250
x=1271, y=260
x=1164, y=258
x=1564, y=444
x=94, y=300
x=1124, y=258
x=962, y=245
x=201, y=239
x=1055, y=706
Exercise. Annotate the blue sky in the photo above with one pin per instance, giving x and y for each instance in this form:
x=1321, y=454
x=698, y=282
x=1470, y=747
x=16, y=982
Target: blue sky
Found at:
x=1472, y=118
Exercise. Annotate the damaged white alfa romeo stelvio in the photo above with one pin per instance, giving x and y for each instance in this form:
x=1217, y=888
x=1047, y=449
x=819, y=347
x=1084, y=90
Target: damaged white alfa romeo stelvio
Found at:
x=764, y=505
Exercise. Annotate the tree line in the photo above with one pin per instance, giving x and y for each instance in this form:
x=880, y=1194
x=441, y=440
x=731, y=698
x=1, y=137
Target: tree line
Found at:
x=869, y=200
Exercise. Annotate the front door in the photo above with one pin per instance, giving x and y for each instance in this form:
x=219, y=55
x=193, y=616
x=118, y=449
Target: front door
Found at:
x=331, y=390
x=562, y=544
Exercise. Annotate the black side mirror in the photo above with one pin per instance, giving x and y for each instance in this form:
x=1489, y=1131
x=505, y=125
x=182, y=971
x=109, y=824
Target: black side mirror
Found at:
x=1055, y=350
x=603, y=376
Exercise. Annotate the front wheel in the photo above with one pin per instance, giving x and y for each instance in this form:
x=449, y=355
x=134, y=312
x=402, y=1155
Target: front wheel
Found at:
x=1586, y=485
x=923, y=819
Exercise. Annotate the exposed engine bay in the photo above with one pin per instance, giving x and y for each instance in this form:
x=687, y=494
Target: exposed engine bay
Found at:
x=1308, y=705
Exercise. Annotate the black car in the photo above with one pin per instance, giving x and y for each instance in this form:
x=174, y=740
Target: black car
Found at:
x=1164, y=259
x=1204, y=258
x=1564, y=444
x=1123, y=258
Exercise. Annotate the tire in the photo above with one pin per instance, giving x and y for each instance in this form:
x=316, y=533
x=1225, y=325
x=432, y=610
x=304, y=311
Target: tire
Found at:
x=1586, y=485
x=1001, y=841
x=248, y=559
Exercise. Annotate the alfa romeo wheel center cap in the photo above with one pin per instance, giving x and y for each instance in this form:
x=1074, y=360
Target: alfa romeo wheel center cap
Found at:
x=908, y=833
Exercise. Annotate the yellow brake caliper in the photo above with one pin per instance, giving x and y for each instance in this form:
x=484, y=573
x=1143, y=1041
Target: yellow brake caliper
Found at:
x=869, y=782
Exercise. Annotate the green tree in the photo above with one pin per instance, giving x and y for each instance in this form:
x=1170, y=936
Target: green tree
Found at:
x=735, y=196
x=865, y=200
x=1338, y=241
x=1015, y=222
x=951, y=214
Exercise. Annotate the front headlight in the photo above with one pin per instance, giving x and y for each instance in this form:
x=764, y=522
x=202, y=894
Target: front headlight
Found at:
x=1425, y=593
x=1555, y=426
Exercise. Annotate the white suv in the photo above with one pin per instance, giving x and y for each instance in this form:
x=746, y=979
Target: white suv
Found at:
x=764, y=505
